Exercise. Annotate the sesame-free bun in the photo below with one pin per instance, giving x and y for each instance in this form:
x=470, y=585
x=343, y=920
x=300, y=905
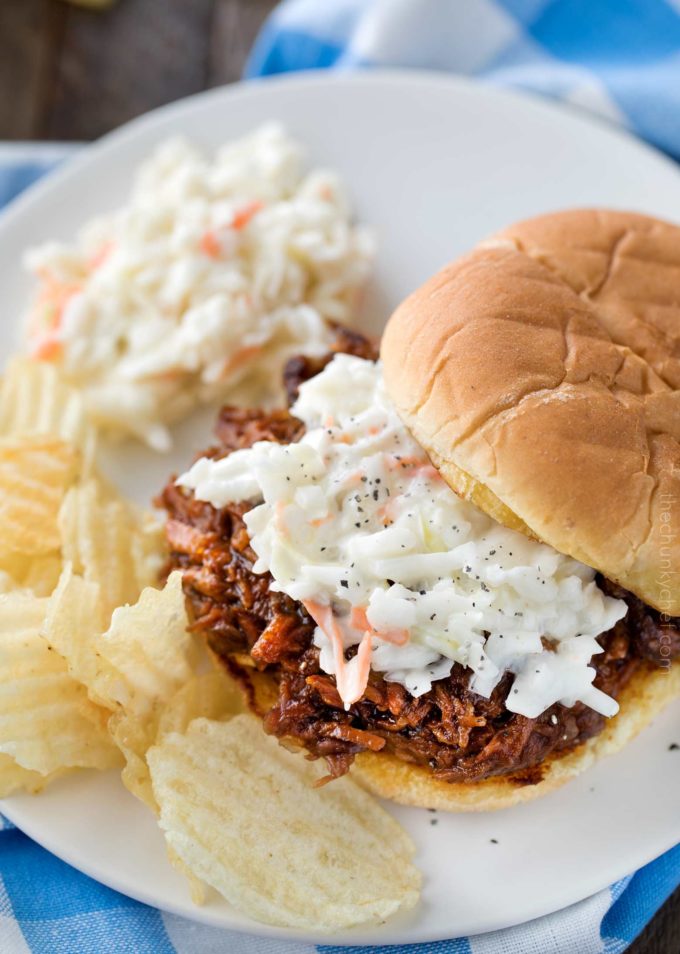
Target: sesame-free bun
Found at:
x=645, y=696
x=648, y=692
x=541, y=373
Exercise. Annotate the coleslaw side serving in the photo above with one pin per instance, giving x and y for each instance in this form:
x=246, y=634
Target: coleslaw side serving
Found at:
x=212, y=272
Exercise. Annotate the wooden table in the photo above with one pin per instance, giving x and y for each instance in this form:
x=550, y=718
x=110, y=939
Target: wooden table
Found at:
x=67, y=73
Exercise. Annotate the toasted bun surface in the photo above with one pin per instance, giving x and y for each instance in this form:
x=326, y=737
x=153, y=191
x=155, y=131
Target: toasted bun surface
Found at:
x=387, y=776
x=541, y=372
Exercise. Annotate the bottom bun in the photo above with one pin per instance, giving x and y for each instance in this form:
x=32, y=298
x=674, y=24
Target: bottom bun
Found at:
x=648, y=692
x=641, y=701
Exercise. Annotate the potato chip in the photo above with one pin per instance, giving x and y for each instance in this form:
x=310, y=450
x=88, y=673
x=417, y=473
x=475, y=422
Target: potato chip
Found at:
x=134, y=669
x=46, y=446
x=34, y=401
x=73, y=623
x=147, y=650
x=73, y=628
x=149, y=549
x=37, y=575
x=108, y=541
x=7, y=582
x=212, y=695
x=13, y=778
x=241, y=813
x=34, y=477
x=47, y=722
x=197, y=888
x=134, y=737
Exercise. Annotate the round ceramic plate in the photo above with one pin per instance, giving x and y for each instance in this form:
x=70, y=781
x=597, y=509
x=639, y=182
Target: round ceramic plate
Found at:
x=433, y=164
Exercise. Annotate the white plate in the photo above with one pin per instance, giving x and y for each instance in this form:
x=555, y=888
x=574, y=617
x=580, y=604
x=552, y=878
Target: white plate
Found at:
x=434, y=164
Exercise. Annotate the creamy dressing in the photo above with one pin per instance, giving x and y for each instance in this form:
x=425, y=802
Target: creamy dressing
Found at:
x=214, y=270
x=355, y=522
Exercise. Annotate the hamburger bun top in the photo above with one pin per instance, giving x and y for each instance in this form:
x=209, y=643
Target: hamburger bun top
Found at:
x=541, y=373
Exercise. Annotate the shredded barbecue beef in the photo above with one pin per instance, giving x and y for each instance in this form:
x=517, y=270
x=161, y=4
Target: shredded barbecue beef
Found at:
x=302, y=367
x=461, y=736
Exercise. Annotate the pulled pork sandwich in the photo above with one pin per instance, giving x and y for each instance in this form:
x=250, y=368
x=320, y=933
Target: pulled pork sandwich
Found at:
x=456, y=569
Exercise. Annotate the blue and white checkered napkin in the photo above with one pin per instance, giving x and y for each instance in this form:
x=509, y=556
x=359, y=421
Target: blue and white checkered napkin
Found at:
x=618, y=58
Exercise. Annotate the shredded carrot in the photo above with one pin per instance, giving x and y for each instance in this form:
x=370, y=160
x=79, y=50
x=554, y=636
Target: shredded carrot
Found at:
x=210, y=245
x=245, y=214
x=47, y=349
x=48, y=314
x=280, y=522
x=100, y=256
x=173, y=374
x=320, y=520
x=386, y=512
x=241, y=356
x=351, y=676
x=53, y=298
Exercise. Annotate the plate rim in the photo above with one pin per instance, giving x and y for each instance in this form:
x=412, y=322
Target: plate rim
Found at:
x=89, y=154
x=346, y=938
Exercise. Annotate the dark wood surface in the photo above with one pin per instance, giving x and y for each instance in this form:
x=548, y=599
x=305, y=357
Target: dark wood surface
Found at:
x=70, y=73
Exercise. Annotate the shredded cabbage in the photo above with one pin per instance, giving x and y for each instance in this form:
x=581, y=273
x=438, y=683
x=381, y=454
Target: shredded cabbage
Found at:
x=212, y=272
x=355, y=517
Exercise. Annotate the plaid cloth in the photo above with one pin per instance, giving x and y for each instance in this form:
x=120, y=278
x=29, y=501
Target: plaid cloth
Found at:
x=618, y=58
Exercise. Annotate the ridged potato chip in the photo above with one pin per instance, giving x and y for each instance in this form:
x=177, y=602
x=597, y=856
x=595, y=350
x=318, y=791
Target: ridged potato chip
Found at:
x=47, y=446
x=35, y=402
x=47, y=721
x=147, y=653
x=38, y=574
x=109, y=542
x=211, y=695
x=35, y=474
x=242, y=813
x=53, y=509
x=133, y=669
x=72, y=626
x=134, y=738
x=13, y=778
